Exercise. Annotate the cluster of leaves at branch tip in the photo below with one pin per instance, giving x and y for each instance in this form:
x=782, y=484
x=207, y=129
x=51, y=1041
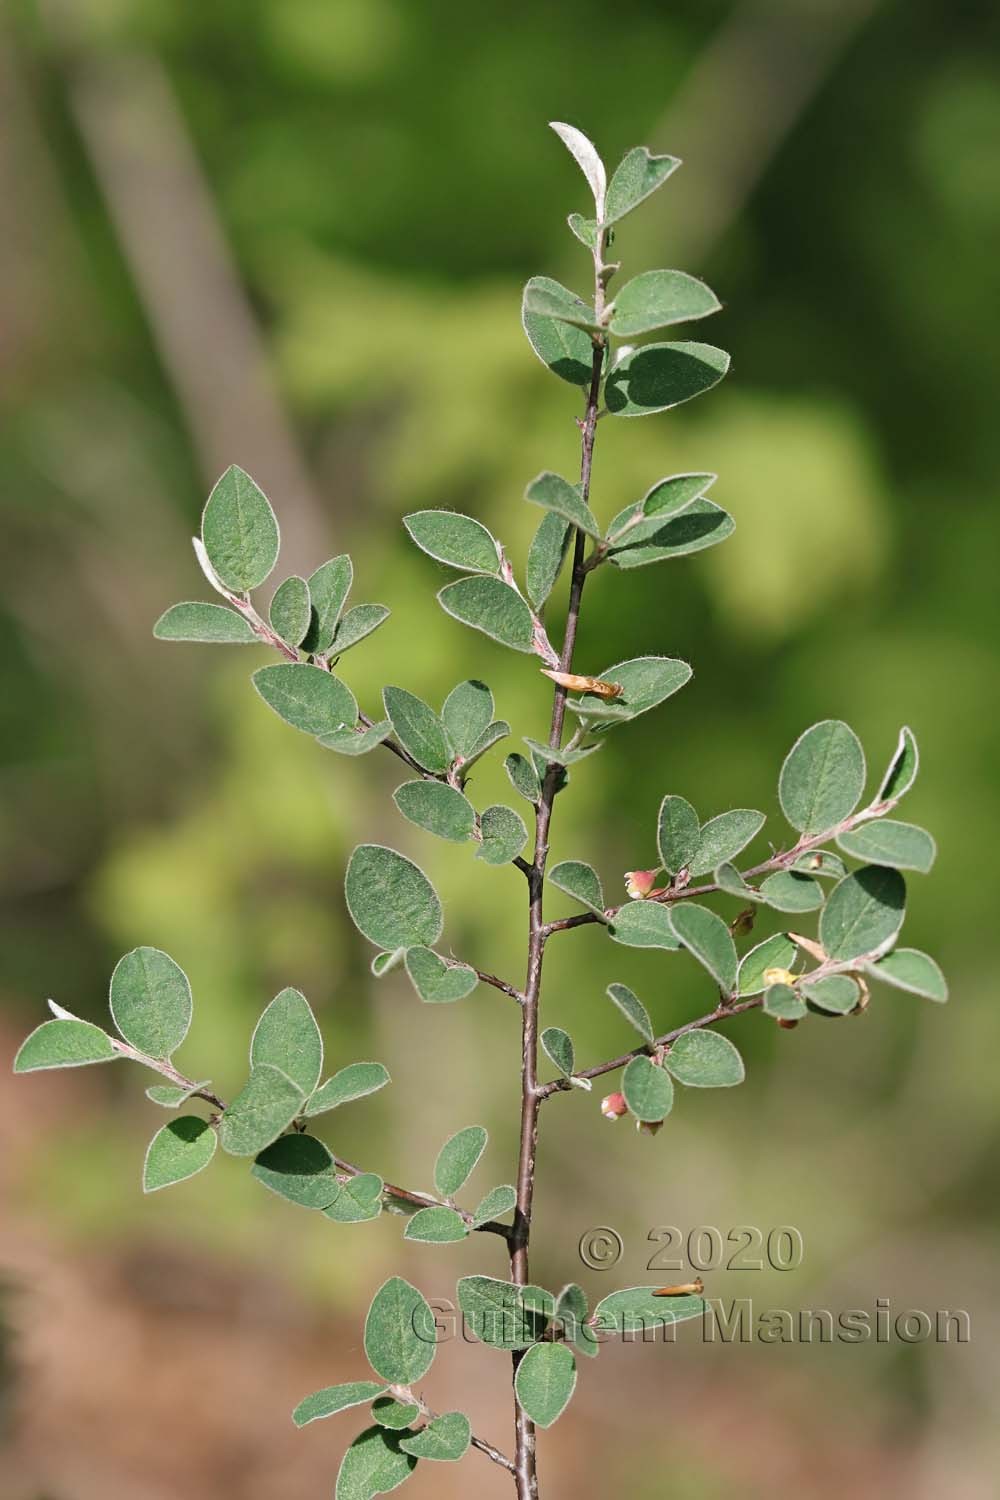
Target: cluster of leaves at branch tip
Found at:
x=587, y=341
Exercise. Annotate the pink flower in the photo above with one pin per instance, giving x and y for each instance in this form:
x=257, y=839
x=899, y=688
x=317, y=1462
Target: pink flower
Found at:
x=613, y=1106
x=640, y=883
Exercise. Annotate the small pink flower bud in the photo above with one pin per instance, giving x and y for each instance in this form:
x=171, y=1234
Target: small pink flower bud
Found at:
x=640, y=883
x=613, y=1106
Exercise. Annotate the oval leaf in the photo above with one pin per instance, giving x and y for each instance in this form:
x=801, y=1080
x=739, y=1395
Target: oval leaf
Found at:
x=290, y=610
x=467, y=714
x=457, y=1159
x=455, y=539
x=64, y=1043
x=179, y=1149
x=644, y=924
x=677, y=833
x=722, y=838
x=903, y=846
x=545, y=1381
x=558, y=1047
x=288, y=1037
x=637, y=1308
x=239, y=531
x=307, y=697
x=708, y=939
x=503, y=835
x=556, y=494
x=151, y=1001
x=390, y=899
x=299, y=1168
x=909, y=969
x=334, y=1398
x=489, y=605
x=863, y=913
x=823, y=777
x=265, y=1106
x=355, y=1081
x=657, y=377
x=632, y=1009
x=581, y=881
x=373, y=1465
x=775, y=952
x=437, y=808
x=656, y=299
x=436, y=1226
x=638, y=174
x=446, y=1438
x=399, y=1333
x=329, y=587
x=213, y=624
x=567, y=350
x=705, y=1060
x=546, y=555
x=648, y=1090
x=437, y=982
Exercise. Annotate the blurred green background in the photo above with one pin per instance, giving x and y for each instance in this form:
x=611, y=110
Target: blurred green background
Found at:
x=292, y=234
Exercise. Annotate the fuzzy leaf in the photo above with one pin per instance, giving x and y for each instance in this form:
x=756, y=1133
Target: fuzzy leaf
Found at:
x=499, y=1200
x=436, y=982
x=467, y=714
x=498, y=730
x=418, y=729
x=546, y=556
x=559, y=757
x=63, y=1043
x=587, y=159
x=373, y=1465
x=390, y=899
x=178, y=1150
x=836, y=995
x=457, y=1159
x=567, y=350
x=399, y=1333
x=558, y=1047
x=563, y=305
x=265, y=1106
x=584, y=229
x=445, y=1439
x=288, y=1037
x=782, y=1002
x=490, y=605
x=791, y=891
x=388, y=1412
x=677, y=833
x=504, y=835
x=440, y=809
x=707, y=938
x=823, y=777
x=632, y=1009
x=496, y=1313
x=863, y=913
x=151, y=1001
x=436, y=1226
x=359, y=1200
x=356, y=741
x=638, y=174
x=909, y=969
x=545, y=1381
x=775, y=952
x=644, y=924
x=581, y=881
x=571, y=1310
x=648, y=1090
x=902, y=770
x=637, y=1308
x=291, y=609
x=656, y=299
x=356, y=625
x=299, y=1168
x=661, y=503
x=901, y=845
x=213, y=624
x=307, y=697
x=647, y=682
x=821, y=862
x=329, y=587
x=455, y=539
x=239, y=531
x=705, y=1060
x=701, y=524
x=556, y=494
x=722, y=838
x=523, y=778
x=334, y=1398
x=167, y=1096
x=355, y=1081
x=657, y=377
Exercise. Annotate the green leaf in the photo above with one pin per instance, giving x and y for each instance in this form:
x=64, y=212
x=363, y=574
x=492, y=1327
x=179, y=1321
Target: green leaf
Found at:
x=437, y=982
x=585, y=153
x=563, y=305
x=524, y=778
x=729, y=879
x=440, y=809
x=445, y=1439
x=355, y=625
x=677, y=833
x=390, y=899
x=384, y=963
x=495, y=1313
x=708, y=939
x=632, y=1009
x=499, y=1200
x=821, y=862
x=902, y=770
x=355, y=1081
x=436, y=1226
x=637, y=1308
x=666, y=499
x=568, y=351
x=265, y=1106
x=558, y=1047
x=656, y=299
x=559, y=757
x=356, y=741
x=581, y=881
x=702, y=524
x=571, y=1311
x=545, y=1381
x=334, y=1398
x=455, y=539
x=546, y=556
x=467, y=715
x=644, y=924
x=489, y=605
x=374, y=1464
x=556, y=494
x=396, y=1415
x=213, y=624
x=823, y=777
x=359, y=1200
x=291, y=609
x=399, y=1333
x=307, y=697
x=648, y=1089
x=637, y=175
x=722, y=838
x=781, y=1001
x=909, y=969
x=329, y=587
x=504, y=835
x=837, y=994
x=288, y=1037
x=418, y=729
x=863, y=913
x=901, y=845
x=64, y=1043
x=179, y=1149
x=170, y=1097
x=647, y=681
x=499, y=730
x=584, y=229
x=705, y=1060
x=239, y=531
x=151, y=1001
x=792, y=891
x=657, y=377
x=457, y=1159
x=775, y=952
x=299, y=1168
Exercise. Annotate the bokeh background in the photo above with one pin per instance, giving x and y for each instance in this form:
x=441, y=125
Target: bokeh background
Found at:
x=292, y=234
